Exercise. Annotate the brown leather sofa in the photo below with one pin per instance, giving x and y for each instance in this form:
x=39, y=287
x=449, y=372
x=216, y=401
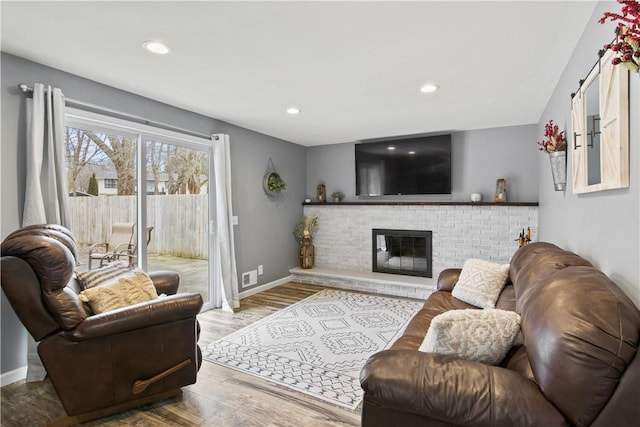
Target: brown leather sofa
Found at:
x=104, y=363
x=578, y=364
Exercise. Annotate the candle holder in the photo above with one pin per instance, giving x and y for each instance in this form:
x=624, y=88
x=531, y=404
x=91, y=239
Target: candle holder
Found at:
x=321, y=194
x=501, y=191
x=524, y=237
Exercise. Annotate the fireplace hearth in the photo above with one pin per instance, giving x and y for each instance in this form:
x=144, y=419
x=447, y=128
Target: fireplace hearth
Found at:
x=405, y=252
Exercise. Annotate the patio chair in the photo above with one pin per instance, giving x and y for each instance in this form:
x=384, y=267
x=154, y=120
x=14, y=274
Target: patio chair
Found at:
x=120, y=243
x=131, y=257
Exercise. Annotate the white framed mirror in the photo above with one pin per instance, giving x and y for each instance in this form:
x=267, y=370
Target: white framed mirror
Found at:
x=600, y=122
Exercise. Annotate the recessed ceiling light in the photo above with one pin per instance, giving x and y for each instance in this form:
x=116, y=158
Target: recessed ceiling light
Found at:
x=429, y=87
x=156, y=47
x=391, y=147
x=412, y=152
x=293, y=111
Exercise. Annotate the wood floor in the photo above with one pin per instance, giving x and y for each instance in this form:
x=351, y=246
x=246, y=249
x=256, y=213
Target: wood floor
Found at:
x=221, y=397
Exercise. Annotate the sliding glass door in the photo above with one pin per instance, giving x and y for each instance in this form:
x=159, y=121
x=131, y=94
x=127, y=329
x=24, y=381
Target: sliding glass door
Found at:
x=103, y=197
x=178, y=213
x=126, y=176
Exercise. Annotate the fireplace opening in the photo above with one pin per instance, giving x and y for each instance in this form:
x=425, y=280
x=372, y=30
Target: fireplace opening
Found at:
x=402, y=252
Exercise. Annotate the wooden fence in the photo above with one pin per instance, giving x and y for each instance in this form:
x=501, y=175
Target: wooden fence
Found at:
x=180, y=221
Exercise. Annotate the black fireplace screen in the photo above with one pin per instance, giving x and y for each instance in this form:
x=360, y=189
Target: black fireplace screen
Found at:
x=402, y=252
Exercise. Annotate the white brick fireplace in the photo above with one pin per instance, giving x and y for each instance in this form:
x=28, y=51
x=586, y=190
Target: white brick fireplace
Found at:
x=460, y=231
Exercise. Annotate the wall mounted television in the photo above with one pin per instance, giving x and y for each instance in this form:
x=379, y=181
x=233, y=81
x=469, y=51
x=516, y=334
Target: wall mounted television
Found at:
x=419, y=165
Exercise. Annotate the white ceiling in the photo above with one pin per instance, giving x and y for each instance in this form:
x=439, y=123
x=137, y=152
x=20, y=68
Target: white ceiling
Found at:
x=353, y=68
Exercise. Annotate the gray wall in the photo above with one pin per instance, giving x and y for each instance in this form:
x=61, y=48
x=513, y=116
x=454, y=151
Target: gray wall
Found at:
x=264, y=234
x=264, y=223
x=602, y=226
x=478, y=159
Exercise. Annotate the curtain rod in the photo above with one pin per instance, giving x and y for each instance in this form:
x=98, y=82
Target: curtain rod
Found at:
x=26, y=89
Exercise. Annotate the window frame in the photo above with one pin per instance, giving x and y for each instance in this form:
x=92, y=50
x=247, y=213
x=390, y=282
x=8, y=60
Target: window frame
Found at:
x=141, y=133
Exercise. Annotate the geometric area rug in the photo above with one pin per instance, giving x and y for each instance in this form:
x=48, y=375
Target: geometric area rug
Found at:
x=317, y=346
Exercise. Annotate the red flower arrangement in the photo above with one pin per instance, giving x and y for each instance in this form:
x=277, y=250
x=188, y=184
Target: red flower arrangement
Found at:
x=553, y=139
x=627, y=43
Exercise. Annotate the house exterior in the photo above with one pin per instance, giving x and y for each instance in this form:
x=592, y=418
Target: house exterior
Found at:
x=108, y=184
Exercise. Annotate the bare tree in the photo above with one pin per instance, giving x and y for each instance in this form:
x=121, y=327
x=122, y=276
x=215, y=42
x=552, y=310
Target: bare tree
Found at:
x=157, y=154
x=197, y=171
x=188, y=171
x=80, y=154
x=172, y=181
x=121, y=151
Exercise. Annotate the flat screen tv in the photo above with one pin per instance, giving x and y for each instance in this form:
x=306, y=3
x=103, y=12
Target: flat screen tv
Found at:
x=404, y=166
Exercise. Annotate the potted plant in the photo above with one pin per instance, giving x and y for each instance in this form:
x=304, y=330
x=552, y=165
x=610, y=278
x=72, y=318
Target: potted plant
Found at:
x=273, y=184
x=306, y=223
x=555, y=144
x=304, y=231
x=337, y=196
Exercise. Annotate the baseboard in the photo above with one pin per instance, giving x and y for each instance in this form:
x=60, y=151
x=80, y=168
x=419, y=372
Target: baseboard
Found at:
x=13, y=376
x=264, y=287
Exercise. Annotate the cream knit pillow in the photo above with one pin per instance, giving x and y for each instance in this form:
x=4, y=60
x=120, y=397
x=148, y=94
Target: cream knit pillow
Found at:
x=127, y=289
x=481, y=335
x=480, y=282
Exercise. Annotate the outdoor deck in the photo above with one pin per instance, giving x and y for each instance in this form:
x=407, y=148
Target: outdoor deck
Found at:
x=193, y=272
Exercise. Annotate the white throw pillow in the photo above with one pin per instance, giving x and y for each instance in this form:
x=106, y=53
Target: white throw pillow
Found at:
x=480, y=282
x=127, y=289
x=481, y=335
x=100, y=276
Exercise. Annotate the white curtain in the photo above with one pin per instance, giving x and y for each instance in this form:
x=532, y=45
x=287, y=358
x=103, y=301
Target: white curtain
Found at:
x=45, y=199
x=226, y=276
x=46, y=195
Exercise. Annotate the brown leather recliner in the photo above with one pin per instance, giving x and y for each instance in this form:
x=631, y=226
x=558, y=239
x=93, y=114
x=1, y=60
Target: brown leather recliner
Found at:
x=578, y=363
x=104, y=363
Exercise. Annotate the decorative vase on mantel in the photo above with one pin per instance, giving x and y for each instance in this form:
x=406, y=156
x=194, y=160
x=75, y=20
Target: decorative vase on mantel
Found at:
x=558, y=161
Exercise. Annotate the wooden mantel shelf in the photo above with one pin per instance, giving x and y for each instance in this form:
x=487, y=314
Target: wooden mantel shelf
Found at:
x=391, y=203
